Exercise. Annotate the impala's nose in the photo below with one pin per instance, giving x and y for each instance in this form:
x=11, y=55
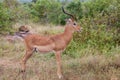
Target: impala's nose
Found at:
x=81, y=29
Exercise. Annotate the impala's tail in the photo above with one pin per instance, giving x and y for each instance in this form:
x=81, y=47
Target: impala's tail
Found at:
x=68, y=13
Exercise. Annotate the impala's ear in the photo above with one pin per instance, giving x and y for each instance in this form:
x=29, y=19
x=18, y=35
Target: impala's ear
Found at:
x=69, y=20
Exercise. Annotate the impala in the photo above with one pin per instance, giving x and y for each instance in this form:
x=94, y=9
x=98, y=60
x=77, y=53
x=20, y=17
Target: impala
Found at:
x=55, y=43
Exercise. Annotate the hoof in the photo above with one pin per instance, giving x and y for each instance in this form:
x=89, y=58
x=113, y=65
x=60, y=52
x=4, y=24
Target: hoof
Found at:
x=22, y=71
x=60, y=76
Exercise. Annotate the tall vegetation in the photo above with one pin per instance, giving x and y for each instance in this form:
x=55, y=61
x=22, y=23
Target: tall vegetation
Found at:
x=101, y=24
x=11, y=11
x=43, y=11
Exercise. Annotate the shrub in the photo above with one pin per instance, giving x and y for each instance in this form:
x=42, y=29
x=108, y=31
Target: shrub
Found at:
x=75, y=8
x=48, y=13
x=5, y=19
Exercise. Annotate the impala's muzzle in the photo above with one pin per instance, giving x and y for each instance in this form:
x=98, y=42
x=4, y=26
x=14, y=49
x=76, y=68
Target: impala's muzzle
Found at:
x=80, y=29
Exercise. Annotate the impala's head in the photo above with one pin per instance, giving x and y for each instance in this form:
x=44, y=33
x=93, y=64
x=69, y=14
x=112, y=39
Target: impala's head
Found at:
x=73, y=26
x=71, y=23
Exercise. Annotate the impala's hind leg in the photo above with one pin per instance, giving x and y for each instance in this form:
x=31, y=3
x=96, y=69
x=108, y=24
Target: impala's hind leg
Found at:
x=25, y=58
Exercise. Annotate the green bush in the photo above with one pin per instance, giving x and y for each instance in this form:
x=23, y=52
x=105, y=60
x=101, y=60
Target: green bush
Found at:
x=46, y=11
x=12, y=13
x=5, y=19
x=75, y=8
x=98, y=39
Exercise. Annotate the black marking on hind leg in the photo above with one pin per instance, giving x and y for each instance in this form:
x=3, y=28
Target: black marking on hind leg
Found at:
x=35, y=50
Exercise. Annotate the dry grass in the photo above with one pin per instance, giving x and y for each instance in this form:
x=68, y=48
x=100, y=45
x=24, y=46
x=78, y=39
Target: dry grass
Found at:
x=42, y=29
x=43, y=66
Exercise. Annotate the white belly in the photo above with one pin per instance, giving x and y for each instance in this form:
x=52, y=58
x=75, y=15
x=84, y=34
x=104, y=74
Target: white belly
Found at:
x=44, y=49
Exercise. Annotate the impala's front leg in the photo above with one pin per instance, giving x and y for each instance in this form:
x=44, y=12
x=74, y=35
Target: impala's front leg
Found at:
x=58, y=60
x=25, y=58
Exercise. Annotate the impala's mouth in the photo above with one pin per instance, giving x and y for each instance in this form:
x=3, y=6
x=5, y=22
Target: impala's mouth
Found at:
x=80, y=30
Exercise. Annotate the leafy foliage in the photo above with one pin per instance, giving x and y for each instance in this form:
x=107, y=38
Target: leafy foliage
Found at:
x=101, y=29
x=11, y=11
x=75, y=8
x=5, y=18
x=43, y=11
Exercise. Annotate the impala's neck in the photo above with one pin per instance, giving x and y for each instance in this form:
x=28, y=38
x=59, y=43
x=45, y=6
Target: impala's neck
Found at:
x=68, y=33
